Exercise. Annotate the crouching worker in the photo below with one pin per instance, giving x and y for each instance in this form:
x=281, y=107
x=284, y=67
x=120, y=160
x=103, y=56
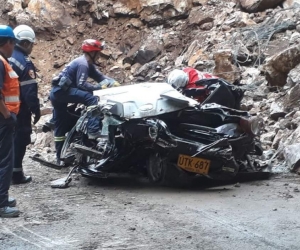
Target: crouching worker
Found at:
x=71, y=86
x=187, y=79
x=206, y=88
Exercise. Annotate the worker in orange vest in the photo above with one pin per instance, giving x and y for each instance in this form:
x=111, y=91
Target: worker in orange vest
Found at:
x=9, y=108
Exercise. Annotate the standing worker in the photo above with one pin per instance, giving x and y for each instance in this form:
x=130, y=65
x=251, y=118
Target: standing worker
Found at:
x=71, y=86
x=30, y=104
x=9, y=108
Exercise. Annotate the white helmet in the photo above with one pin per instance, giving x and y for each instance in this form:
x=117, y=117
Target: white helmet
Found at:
x=24, y=32
x=178, y=78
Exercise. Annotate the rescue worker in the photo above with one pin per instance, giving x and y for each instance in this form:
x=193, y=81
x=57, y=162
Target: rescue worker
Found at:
x=25, y=69
x=71, y=86
x=9, y=108
x=187, y=78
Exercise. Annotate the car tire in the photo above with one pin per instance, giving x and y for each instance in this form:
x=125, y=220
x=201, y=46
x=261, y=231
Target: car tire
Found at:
x=164, y=173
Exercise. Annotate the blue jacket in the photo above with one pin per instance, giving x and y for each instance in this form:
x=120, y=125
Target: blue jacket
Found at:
x=78, y=70
x=26, y=71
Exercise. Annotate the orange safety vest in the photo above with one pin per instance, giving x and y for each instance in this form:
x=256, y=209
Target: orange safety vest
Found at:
x=11, y=88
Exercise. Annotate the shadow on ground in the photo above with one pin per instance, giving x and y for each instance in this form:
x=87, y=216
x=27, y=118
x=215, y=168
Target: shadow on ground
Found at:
x=200, y=183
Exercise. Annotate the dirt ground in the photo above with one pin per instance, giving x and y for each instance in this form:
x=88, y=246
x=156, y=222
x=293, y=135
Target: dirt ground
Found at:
x=130, y=213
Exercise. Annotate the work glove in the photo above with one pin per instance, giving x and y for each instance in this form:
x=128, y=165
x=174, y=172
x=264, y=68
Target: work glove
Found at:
x=109, y=83
x=115, y=84
x=104, y=86
x=37, y=116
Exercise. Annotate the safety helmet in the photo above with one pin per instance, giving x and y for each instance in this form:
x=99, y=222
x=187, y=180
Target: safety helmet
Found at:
x=24, y=32
x=6, y=32
x=90, y=45
x=178, y=79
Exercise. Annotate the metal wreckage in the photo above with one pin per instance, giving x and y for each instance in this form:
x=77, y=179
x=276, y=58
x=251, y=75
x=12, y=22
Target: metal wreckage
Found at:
x=154, y=130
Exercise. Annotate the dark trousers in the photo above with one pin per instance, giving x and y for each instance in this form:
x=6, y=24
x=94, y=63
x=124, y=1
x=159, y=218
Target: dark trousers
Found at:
x=22, y=138
x=7, y=127
x=62, y=119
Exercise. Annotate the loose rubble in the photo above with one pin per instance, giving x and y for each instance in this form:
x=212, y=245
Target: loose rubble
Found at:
x=255, y=43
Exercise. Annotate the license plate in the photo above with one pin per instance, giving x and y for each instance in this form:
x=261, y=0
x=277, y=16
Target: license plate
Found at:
x=193, y=164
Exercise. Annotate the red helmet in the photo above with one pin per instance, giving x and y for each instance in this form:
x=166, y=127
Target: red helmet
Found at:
x=90, y=45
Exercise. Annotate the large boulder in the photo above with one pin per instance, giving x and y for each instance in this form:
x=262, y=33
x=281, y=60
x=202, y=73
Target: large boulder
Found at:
x=171, y=41
x=293, y=138
x=252, y=6
x=148, y=52
x=292, y=98
x=292, y=156
x=268, y=138
x=196, y=57
x=44, y=140
x=156, y=12
x=11, y=5
x=277, y=111
x=200, y=2
x=41, y=14
x=291, y=3
x=241, y=19
x=281, y=136
x=199, y=17
x=149, y=69
x=224, y=66
x=145, y=53
x=192, y=49
x=127, y=7
x=294, y=76
x=278, y=66
x=119, y=73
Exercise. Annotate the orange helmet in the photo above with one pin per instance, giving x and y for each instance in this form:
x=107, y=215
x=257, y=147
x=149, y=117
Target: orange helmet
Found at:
x=90, y=45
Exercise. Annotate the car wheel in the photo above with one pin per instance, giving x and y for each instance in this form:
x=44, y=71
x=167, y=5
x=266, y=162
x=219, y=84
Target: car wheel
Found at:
x=165, y=173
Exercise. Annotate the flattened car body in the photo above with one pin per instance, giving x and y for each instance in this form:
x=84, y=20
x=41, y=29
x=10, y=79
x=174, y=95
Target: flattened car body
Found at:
x=143, y=100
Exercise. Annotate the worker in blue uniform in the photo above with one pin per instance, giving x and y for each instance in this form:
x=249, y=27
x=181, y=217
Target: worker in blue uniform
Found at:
x=30, y=105
x=71, y=86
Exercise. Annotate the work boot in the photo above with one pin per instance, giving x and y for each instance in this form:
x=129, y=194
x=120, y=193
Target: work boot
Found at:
x=48, y=126
x=46, y=129
x=12, y=202
x=60, y=163
x=9, y=212
x=20, y=178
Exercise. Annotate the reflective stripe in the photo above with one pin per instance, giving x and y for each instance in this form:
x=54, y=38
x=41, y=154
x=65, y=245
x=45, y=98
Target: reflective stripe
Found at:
x=61, y=138
x=12, y=74
x=17, y=63
x=11, y=88
x=11, y=98
x=17, y=169
x=28, y=82
x=91, y=107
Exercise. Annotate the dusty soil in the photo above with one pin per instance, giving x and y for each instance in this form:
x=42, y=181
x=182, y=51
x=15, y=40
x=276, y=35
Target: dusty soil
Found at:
x=129, y=213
